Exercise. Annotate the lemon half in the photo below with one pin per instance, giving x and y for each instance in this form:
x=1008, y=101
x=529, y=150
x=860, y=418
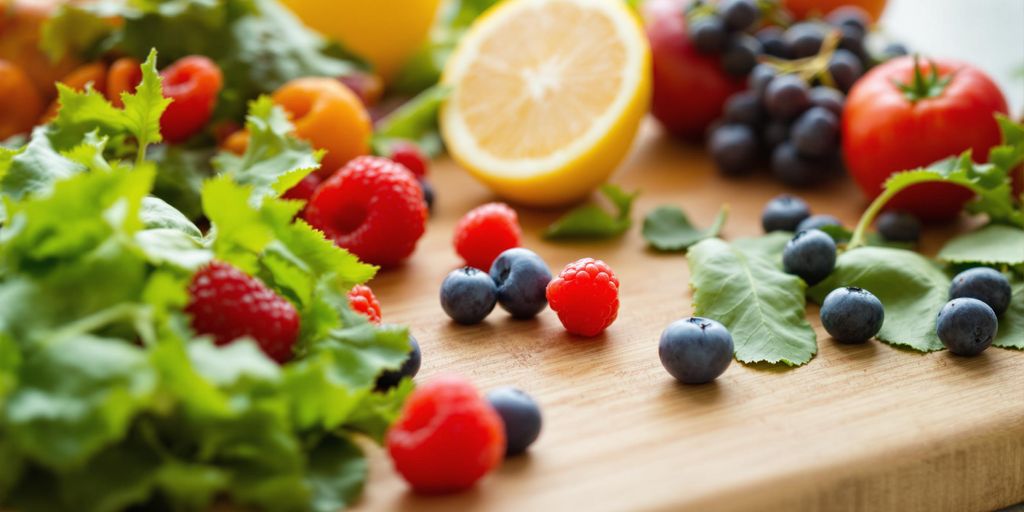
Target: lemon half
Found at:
x=547, y=96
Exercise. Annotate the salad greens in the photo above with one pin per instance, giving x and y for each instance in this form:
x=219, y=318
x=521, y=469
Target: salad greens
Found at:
x=667, y=228
x=592, y=221
x=107, y=397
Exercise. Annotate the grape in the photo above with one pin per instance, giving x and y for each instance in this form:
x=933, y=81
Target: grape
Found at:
x=734, y=149
x=894, y=50
x=774, y=42
x=845, y=69
x=740, y=55
x=774, y=133
x=829, y=98
x=708, y=34
x=744, y=108
x=739, y=15
x=816, y=133
x=786, y=97
x=760, y=76
x=850, y=17
x=854, y=44
x=792, y=169
x=805, y=39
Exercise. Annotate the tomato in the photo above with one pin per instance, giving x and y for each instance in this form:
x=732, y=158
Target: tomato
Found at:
x=193, y=83
x=93, y=74
x=886, y=131
x=20, y=102
x=124, y=75
x=328, y=115
x=690, y=88
x=810, y=8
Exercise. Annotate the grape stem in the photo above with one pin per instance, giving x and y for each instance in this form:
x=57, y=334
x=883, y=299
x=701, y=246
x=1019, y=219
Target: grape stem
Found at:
x=809, y=68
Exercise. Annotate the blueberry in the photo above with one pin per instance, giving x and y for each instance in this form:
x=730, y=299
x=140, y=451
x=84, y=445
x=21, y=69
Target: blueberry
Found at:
x=786, y=97
x=784, y=213
x=390, y=378
x=522, y=278
x=740, y=54
x=695, y=350
x=984, y=284
x=899, y=227
x=795, y=170
x=852, y=315
x=892, y=50
x=468, y=295
x=817, y=222
x=743, y=108
x=708, y=34
x=816, y=133
x=739, y=15
x=811, y=255
x=428, y=194
x=521, y=416
x=734, y=149
x=828, y=98
x=966, y=326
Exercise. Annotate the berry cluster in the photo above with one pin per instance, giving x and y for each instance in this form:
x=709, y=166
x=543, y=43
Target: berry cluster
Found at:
x=517, y=280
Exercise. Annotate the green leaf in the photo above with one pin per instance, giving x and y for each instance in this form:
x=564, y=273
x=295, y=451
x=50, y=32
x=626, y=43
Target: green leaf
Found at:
x=1011, y=323
x=910, y=286
x=416, y=120
x=274, y=160
x=591, y=221
x=991, y=245
x=182, y=171
x=337, y=470
x=667, y=228
x=143, y=108
x=762, y=306
x=33, y=168
x=73, y=30
x=86, y=111
x=768, y=247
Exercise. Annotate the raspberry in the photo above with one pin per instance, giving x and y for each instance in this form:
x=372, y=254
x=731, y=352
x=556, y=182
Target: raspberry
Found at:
x=304, y=189
x=408, y=154
x=585, y=296
x=447, y=437
x=362, y=300
x=228, y=304
x=485, y=232
x=373, y=207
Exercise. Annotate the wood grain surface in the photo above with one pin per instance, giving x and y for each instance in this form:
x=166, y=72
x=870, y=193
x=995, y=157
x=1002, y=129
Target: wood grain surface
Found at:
x=865, y=427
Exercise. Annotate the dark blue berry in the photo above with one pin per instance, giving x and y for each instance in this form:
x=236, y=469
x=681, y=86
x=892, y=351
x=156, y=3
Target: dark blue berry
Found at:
x=817, y=222
x=784, y=213
x=522, y=278
x=894, y=50
x=805, y=39
x=845, y=68
x=966, y=326
x=708, y=34
x=829, y=98
x=795, y=170
x=468, y=295
x=739, y=15
x=521, y=416
x=759, y=78
x=816, y=133
x=786, y=97
x=853, y=18
x=743, y=108
x=985, y=284
x=734, y=149
x=695, y=350
x=852, y=315
x=774, y=133
x=811, y=255
x=899, y=227
x=390, y=378
x=740, y=54
x=428, y=194
x=773, y=41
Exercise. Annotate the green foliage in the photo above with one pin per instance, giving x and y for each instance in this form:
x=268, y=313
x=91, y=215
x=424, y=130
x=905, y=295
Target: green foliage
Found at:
x=1011, y=324
x=667, y=228
x=991, y=245
x=762, y=306
x=592, y=221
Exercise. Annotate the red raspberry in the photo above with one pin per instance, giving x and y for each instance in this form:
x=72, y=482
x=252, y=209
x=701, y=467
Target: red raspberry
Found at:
x=372, y=207
x=304, y=189
x=228, y=304
x=193, y=83
x=485, y=232
x=585, y=296
x=362, y=300
x=447, y=437
x=408, y=154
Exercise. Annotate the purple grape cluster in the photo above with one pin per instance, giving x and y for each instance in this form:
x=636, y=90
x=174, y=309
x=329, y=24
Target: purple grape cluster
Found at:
x=722, y=29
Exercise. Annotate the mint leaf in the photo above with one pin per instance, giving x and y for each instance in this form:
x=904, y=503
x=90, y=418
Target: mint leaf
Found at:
x=667, y=228
x=1011, y=324
x=591, y=221
x=274, y=161
x=911, y=287
x=762, y=306
x=143, y=108
x=990, y=245
x=416, y=120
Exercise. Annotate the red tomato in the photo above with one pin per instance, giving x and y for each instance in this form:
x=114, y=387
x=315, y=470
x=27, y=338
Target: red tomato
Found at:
x=809, y=8
x=885, y=131
x=193, y=83
x=690, y=88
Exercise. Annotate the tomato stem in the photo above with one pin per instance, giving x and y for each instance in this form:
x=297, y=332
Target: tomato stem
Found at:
x=924, y=86
x=859, y=237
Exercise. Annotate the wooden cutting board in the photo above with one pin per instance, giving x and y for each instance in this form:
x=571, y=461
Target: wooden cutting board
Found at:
x=863, y=427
